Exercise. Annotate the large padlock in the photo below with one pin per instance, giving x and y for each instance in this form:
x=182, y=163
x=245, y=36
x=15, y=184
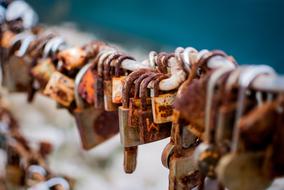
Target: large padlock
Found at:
x=250, y=166
x=149, y=130
x=207, y=154
x=95, y=125
x=128, y=135
x=60, y=88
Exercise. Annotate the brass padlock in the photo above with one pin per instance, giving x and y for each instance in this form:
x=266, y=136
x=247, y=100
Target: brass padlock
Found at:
x=95, y=125
x=60, y=88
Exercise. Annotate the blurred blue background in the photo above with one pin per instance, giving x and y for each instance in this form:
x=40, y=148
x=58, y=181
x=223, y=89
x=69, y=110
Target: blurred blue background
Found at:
x=250, y=30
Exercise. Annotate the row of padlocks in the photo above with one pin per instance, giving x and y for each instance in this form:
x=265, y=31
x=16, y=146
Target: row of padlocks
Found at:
x=225, y=121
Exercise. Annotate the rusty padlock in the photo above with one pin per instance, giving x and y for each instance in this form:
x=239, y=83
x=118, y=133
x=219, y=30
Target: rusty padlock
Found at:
x=207, y=154
x=240, y=162
x=98, y=74
x=60, y=88
x=95, y=125
x=128, y=135
x=43, y=71
x=162, y=105
x=17, y=66
x=150, y=131
x=72, y=58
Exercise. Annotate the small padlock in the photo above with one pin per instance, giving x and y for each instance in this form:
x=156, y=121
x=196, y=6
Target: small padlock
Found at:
x=60, y=88
x=99, y=81
x=35, y=174
x=72, y=58
x=43, y=71
x=162, y=105
x=14, y=171
x=17, y=66
x=108, y=104
x=150, y=131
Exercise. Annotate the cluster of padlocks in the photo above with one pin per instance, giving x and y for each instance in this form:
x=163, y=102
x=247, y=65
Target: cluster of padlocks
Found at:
x=26, y=166
x=225, y=121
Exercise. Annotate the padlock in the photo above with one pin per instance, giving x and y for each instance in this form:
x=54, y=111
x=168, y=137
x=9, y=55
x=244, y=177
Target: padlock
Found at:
x=118, y=81
x=43, y=71
x=56, y=182
x=14, y=171
x=86, y=87
x=150, y=131
x=129, y=136
x=99, y=81
x=249, y=166
x=72, y=58
x=35, y=174
x=17, y=66
x=135, y=102
x=207, y=154
x=95, y=125
x=162, y=105
x=60, y=88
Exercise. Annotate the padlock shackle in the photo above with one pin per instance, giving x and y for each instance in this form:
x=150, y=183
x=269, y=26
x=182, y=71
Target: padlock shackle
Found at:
x=245, y=79
x=119, y=62
x=103, y=57
x=213, y=79
x=78, y=78
x=128, y=85
x=107, y=65
x=32, y=169
x=138, y=83
x=144, y=89
x=156, y=84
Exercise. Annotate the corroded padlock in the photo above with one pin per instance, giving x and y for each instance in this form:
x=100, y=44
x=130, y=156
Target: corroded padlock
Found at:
x=72, y=58
x=128, y=135
x=162, y=105
x=17, y=66
x=95, y=125
x=43, y=71
x=240, y=162
x=207, y=154
x=98, y=74
x=150, y=131
x=60, y=88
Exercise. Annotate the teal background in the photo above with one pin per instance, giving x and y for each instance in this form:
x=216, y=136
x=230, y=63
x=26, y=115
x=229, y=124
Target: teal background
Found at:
x=250, y=30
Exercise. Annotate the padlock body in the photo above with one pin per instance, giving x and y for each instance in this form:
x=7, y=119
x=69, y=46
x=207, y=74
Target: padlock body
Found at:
x=117, y=86
x=162, y=108
x=95, y=126
x=129, y=136
x=60, y=88
x=108, y=104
